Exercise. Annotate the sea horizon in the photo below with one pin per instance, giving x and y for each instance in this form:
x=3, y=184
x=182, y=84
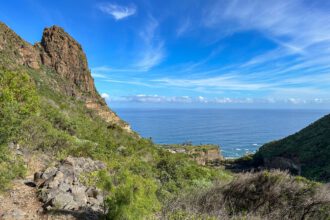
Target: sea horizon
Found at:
x=238, y=131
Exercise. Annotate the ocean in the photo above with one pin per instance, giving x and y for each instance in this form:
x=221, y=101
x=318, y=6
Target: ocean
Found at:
x=236, y=131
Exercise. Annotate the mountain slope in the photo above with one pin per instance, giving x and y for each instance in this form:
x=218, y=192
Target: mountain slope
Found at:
x=306, y=153
x=50, y=109
x=61, y=54
x=56, y=130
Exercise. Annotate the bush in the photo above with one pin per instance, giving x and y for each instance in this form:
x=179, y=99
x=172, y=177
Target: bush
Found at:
x=18, y=102
x=131, y=197
x=265, y=195
x=10, y=167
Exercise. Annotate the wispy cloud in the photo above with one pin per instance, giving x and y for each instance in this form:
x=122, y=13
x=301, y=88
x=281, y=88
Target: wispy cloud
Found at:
x=150, y=51
x=292, y=67
x=103, y=71
x=220, y=101
x=153, y=52
x=184, y=26
x=98, y=75
x=293, y=25
x=152, y=56
x=224, y=82
x=118, y=12
x=133, y=82
x=156, y=99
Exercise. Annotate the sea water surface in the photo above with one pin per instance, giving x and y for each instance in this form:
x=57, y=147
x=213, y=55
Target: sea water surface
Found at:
x=237, y=131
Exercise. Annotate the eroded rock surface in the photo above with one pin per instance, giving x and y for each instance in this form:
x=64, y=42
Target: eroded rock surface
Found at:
x=64, y=55
x=60, y=187
x=13, y=47
x=61, y=52
x=203, y=155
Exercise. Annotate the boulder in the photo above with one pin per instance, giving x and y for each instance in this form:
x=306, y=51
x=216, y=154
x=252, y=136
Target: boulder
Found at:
x=60, y=186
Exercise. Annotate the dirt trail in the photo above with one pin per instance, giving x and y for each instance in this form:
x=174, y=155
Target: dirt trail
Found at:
x=21, y=201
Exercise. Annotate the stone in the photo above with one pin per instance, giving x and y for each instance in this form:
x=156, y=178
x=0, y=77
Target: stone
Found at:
x=63, y=189
x=61, y=200
x=92, y=192
x=48, y=173
x=37, y=177
x=53, y=184
x=79, y=195
x=59, y=176
x=15, y=214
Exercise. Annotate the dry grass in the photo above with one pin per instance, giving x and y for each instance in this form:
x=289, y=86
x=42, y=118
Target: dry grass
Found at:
x=262, y=195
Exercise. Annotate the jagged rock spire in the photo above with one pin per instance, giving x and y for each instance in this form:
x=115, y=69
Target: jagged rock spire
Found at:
x=61, y=52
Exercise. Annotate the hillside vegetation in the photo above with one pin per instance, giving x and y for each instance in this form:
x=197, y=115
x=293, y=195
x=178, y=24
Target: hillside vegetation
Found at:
x=39, y=119
x=47, y=110
x=306, y=153
x=263, y=195
x=37, y=115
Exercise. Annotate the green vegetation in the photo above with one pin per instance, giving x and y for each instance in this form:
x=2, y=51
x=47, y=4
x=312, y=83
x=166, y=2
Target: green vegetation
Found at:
x=263, y=195
x=309, y=148
x=18, y=102
x=40, y=116
x=191, y=147
x=140, y=178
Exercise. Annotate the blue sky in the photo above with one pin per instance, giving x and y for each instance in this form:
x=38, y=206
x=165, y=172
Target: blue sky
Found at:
x=234, y=53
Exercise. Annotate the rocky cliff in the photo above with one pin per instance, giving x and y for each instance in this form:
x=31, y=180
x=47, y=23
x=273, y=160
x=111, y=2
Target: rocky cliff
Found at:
x=64, y=55
x=14, y=50
x=202, y=154
x=58, y=50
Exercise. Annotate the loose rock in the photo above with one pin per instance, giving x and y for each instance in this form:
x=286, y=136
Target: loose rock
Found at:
x=60, y=187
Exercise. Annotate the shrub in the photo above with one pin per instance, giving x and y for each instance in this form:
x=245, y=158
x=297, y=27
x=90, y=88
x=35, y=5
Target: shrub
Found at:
x=18, y=102
x=131, y=197
x=265, y=195
x=10, y=167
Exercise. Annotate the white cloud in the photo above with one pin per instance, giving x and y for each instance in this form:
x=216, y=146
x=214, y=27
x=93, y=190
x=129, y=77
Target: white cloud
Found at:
x=152, y=56
x=143, y=98
x=156, y=99
x=132, y=82
x=224, y=82
x=105, y=96
x=153, y=51
x=98, y=75
x=118, y=12
x=184, y=27
x=296, y=70
x=102, y=69
x=296, y=26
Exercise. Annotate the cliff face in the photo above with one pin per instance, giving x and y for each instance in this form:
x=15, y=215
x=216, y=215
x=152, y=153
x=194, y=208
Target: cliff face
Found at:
x=64, y=55
x=61, y=52
x=14, y=50
x=206, y=156
x=203, y=155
